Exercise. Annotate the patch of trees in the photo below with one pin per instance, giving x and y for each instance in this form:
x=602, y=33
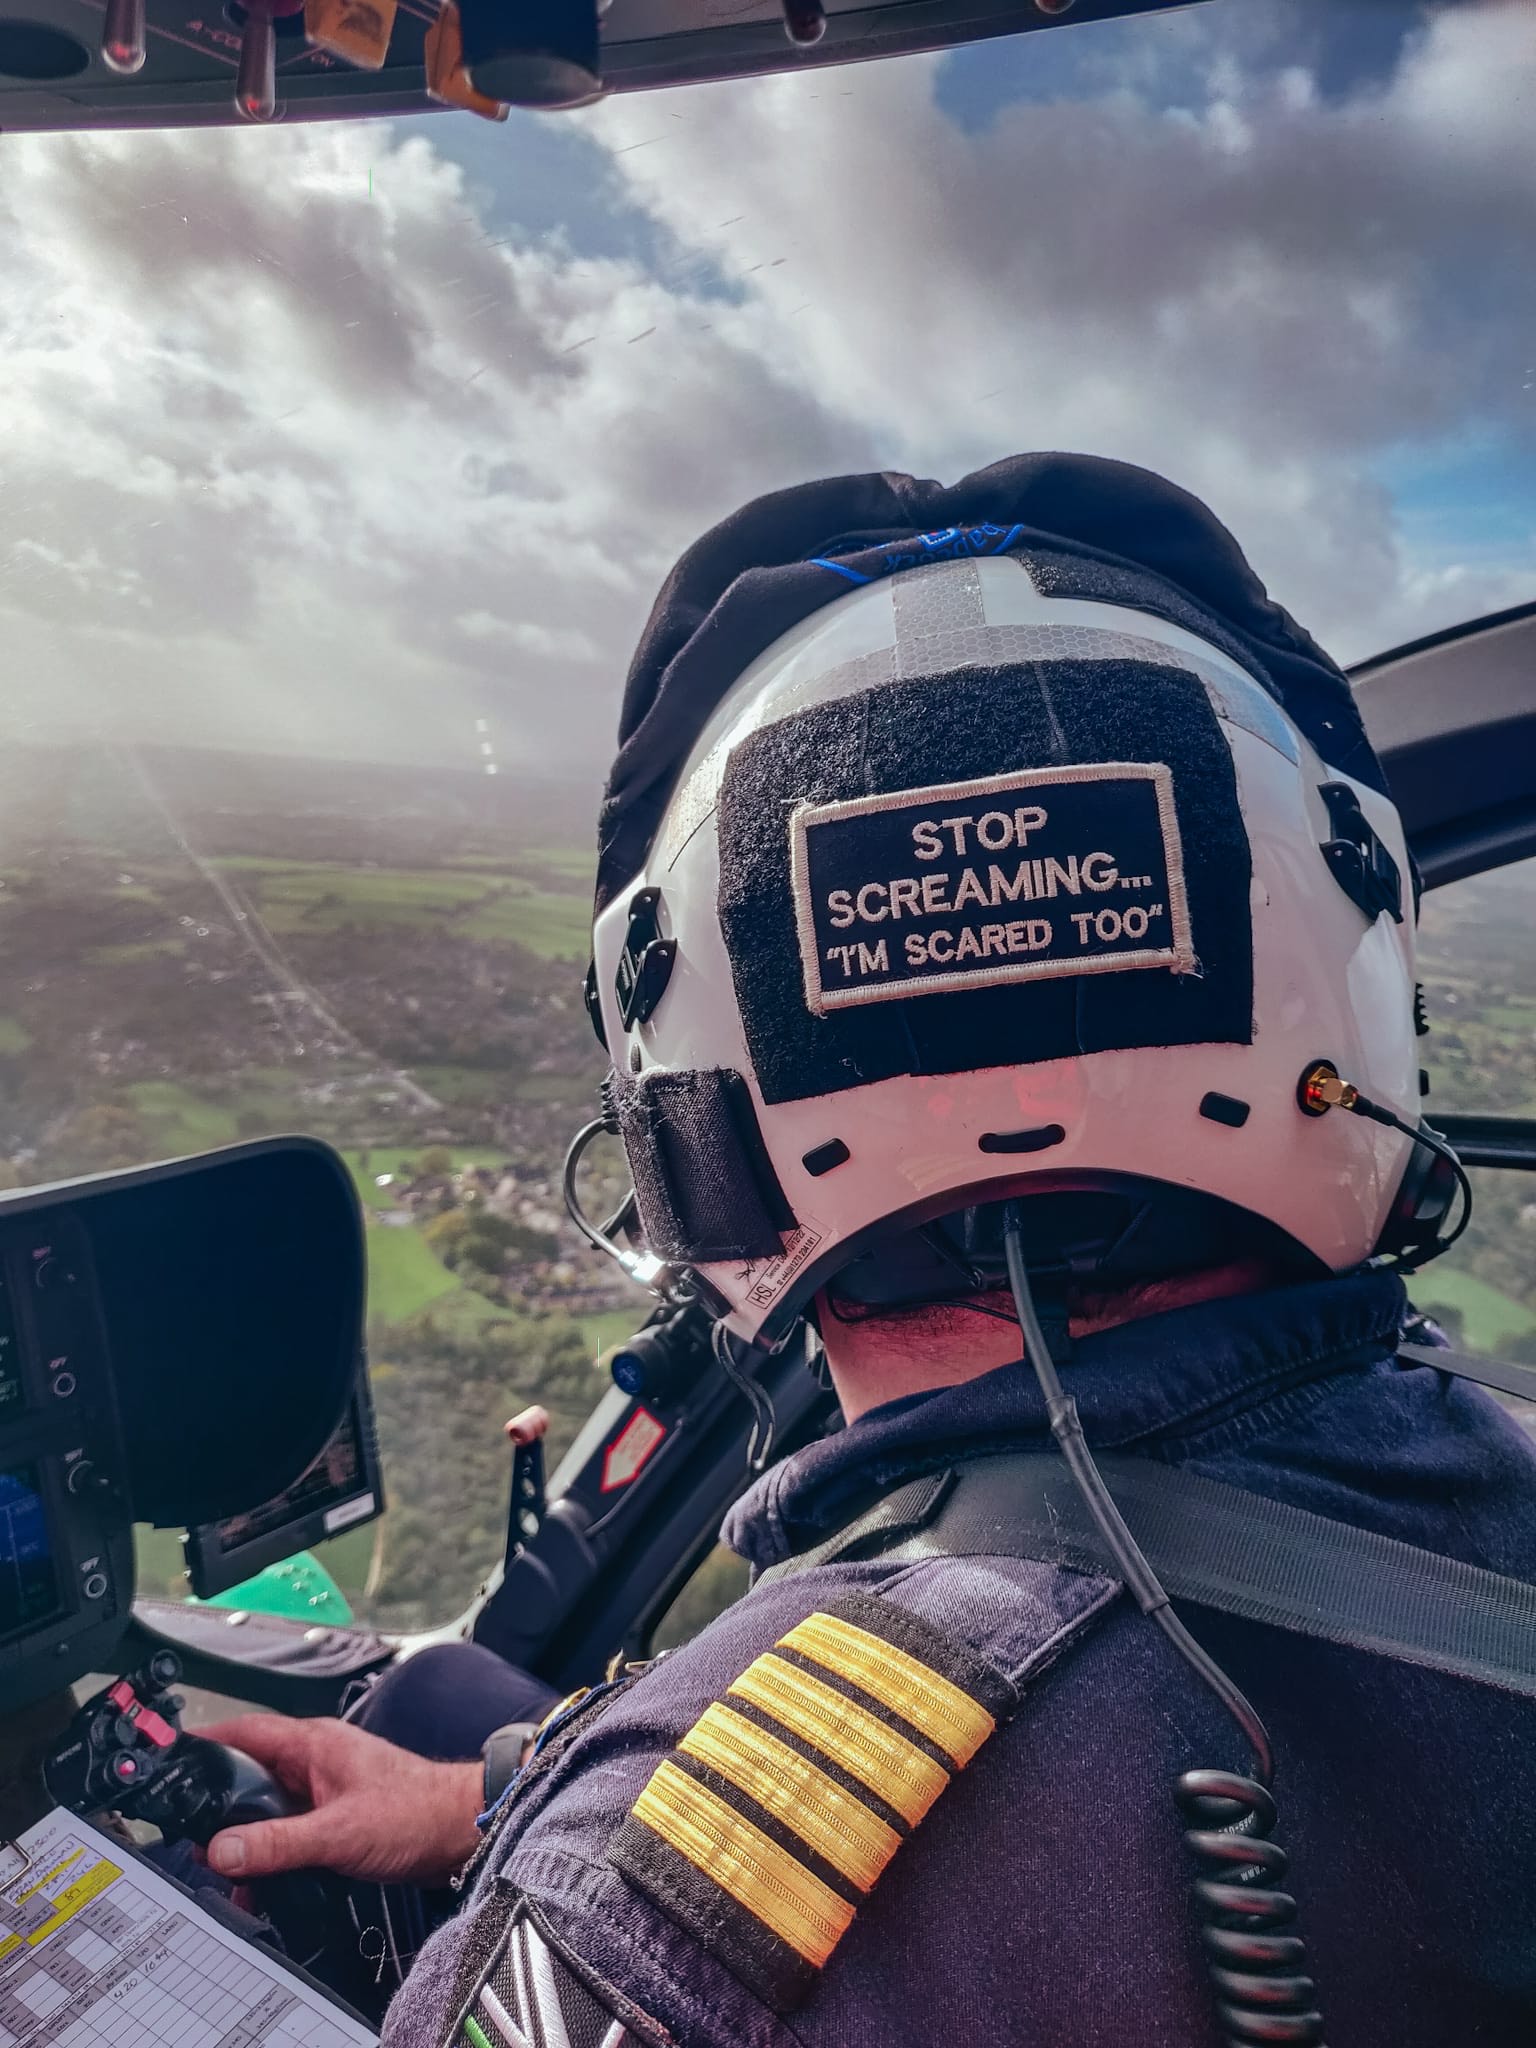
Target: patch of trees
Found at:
x=443, y=1391
x=477, y=1241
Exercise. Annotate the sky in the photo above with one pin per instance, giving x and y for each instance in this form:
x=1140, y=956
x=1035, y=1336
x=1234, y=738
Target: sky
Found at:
x=345, y=438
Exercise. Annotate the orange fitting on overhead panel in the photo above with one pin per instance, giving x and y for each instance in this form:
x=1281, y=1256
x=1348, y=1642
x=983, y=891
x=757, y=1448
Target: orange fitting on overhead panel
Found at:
x=357, y=31
x=447, y=79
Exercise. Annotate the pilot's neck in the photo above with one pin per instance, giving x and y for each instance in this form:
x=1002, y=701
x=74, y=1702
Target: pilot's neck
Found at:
x=879, y=1358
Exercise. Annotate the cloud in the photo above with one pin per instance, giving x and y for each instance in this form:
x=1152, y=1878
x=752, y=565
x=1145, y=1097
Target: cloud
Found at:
x=268, y=443
x=289, y=463
x=1260, y=290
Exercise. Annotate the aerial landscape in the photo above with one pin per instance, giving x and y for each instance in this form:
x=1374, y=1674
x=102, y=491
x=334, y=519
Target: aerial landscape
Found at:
x=202, y=947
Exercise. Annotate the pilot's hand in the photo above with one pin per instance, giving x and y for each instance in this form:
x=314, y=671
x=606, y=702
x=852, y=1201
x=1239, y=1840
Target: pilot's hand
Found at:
x=375, y=1811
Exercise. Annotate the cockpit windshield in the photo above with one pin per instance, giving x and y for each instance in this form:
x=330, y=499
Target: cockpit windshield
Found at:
x=339, y=465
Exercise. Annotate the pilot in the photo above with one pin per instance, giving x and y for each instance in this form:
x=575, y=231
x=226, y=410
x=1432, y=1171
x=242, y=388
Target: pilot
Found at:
x=1000, y=912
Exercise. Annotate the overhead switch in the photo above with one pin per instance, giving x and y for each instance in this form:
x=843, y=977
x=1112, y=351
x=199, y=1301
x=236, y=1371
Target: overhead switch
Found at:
x=123, y=42
x=805, y=22
x=256, y=79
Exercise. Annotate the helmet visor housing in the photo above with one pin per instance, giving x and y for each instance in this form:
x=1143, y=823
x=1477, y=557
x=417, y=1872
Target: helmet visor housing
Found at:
x=971, y=890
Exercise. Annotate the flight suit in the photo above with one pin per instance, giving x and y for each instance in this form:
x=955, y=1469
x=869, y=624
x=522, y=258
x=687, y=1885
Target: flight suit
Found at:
x=904, y=1803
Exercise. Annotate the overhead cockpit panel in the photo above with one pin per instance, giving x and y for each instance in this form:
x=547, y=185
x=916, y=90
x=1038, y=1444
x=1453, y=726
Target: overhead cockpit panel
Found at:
x=178, y=63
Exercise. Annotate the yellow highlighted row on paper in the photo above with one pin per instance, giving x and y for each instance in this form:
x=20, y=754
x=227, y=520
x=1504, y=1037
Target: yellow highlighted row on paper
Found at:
x=89, y=1885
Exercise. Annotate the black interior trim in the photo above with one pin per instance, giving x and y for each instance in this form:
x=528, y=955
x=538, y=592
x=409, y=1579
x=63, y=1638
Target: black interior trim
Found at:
x=1448, y=636
x=1507, y=1141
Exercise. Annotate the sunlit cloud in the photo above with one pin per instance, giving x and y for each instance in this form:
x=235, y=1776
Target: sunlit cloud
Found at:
x=308, y=445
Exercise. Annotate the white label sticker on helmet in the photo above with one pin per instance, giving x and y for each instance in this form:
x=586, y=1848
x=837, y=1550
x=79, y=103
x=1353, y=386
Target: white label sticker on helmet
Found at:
x=768, y=1278
x=1047, y=872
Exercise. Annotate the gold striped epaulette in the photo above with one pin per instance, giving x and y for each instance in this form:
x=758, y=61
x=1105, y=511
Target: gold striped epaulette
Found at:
x=767, y=1826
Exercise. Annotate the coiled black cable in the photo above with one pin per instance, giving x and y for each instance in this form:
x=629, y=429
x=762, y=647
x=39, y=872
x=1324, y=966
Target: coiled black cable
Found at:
x=1258, y=1972
x=1263, y=1993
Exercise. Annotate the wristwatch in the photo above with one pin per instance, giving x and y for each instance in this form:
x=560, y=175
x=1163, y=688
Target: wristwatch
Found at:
x=503, y=1757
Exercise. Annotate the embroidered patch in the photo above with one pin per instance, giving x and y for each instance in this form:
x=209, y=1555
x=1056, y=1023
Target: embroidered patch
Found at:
x=772, y=1820
x=530, y=1995
x=1046, y=872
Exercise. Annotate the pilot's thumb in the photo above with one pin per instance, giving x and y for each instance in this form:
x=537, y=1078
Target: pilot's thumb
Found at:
x=266, y=1846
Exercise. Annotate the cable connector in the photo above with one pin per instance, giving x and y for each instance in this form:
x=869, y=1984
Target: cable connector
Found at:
x=1322, y=1088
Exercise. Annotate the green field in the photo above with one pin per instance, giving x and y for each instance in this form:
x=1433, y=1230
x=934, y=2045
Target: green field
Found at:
x=404, y=1274
x=140, y=949
x=465, y=1087
x=181, y=1121
x=14, y=1037
x=1490, y=1319
x=554, y=927
x=494, y=906
x=557, y=1088
x=365, y=1167
x=575, y=862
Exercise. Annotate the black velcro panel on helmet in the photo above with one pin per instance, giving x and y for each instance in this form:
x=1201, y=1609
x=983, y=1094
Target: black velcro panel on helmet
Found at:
x=965, y=726
x=1057, y=574
x=703, y=1179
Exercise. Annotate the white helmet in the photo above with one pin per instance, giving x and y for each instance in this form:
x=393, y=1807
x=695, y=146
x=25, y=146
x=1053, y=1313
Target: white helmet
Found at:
x=968, y=891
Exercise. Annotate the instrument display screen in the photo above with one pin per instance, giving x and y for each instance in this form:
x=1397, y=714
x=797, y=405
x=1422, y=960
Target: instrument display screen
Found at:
x=29, y=1586
x=336, y=1486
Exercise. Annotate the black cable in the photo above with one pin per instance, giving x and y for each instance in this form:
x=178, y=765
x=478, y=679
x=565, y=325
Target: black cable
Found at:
x=1262, y=1991
x=601, y=1235
x=1141, y=1581
x=1322, y=1087
x=622, y=1217
x=979, y=1308
x=575, y=1151
x=764, y=1421
x=1421, y=1134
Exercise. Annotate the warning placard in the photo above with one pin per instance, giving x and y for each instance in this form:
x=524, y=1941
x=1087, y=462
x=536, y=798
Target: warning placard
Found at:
x=631, y=1450
x=1053, y=871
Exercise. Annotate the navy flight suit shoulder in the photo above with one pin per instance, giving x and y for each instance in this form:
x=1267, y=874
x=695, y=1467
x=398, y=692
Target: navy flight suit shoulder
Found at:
x=1009, y=1867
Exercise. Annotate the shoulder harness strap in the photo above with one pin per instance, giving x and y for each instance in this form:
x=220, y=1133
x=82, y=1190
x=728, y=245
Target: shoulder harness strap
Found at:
x=1502, y=1374
x=1219, y=1547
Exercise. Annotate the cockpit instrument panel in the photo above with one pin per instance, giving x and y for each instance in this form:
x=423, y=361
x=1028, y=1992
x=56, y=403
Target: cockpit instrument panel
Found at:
x=341, y=1490
x=66, y=1567
x=12, y=1399
x=29, y=1584
x=151, y=1371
